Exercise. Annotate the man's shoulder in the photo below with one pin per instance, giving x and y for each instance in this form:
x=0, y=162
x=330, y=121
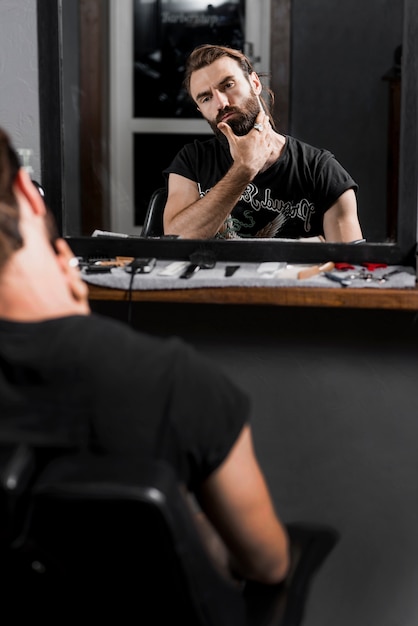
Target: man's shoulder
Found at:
x=99, y=341
x=197, y=156
x=298, y=147
x=105, y=335
x=100, y=327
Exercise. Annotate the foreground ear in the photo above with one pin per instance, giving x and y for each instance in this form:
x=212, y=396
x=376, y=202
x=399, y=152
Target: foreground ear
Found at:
x=71, y=272
x=24, y=185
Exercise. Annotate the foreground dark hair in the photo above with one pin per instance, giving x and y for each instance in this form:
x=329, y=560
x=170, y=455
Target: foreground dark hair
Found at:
x=10, y=237
x=206, y=54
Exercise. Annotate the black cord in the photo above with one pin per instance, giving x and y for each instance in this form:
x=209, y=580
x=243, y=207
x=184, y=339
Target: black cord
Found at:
x=140, y=264
x=130, y=297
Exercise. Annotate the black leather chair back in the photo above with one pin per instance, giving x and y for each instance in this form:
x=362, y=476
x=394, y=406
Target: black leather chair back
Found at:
x=153, y=222
x=17, y=471
x=124, y=529
x=105, y=537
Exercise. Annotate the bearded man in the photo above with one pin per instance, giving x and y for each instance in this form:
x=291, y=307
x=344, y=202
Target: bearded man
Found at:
x=250, y=180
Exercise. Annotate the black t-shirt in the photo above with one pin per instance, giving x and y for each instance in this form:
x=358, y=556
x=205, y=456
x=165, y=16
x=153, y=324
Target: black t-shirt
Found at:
x=94, y=383
x=288, y=200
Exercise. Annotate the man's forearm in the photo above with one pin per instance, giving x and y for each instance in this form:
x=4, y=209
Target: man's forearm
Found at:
x=205, y=217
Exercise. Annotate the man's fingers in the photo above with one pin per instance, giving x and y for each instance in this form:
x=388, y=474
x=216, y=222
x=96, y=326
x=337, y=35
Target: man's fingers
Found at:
x=225, y=129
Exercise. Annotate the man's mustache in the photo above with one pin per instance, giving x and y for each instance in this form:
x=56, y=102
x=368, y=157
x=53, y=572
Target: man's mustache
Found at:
x=226, y=111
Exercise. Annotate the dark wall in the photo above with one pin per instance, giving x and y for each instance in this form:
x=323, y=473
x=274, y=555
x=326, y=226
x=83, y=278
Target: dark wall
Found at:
x=339, y=100
x=336, y=428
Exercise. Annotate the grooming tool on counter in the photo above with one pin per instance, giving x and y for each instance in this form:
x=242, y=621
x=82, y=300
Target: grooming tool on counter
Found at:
x=344, y=282
x=199, y=260
x=344, y=267
x=191, y=269
x=374, y=266
x=366, y=271
x=230, y=270
x=120, y=261
x=370, y=277
x=268, y=269
x=88, y=261
x=173, y=268
x=384, y=278
x=141, y=265
x=116, y=262
x=107, y=233
x=97, y=269
x=315, y=269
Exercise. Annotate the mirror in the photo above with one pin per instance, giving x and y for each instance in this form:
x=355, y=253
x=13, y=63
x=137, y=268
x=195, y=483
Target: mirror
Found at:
x=75, y=157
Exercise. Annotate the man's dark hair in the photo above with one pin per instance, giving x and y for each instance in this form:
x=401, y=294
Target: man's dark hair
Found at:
x=10, y=236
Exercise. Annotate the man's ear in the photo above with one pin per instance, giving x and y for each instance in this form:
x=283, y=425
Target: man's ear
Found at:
x=24, y=186
x=256, y=83
x=76, y=285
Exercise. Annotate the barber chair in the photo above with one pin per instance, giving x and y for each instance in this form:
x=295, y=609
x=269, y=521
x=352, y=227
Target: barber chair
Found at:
x=153, y=221
x=108, y=538
x=17, y=469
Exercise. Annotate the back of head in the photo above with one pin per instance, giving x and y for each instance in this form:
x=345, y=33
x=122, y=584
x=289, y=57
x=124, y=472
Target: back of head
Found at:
x=10, y=236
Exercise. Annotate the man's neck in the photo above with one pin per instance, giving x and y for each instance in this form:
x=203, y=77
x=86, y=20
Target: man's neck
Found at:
x=32, y=294
x=277, y=150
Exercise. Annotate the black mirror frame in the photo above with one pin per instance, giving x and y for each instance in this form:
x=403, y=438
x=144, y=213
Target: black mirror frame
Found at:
x=57, y=150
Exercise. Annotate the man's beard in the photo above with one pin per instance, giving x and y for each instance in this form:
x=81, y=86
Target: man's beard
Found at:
x=244, y=120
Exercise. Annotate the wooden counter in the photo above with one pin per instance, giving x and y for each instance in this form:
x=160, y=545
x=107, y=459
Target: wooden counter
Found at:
x=364, y=298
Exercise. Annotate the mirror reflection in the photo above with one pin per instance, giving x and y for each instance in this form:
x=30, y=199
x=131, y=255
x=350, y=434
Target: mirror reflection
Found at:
x=336, y=79
x=249, y=180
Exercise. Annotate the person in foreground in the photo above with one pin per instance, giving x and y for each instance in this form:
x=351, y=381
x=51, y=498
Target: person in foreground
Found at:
x=92, y=382
x=249, y=180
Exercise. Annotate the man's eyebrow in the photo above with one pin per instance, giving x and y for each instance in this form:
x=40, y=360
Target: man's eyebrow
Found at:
x=202, y=94
x=207, y=92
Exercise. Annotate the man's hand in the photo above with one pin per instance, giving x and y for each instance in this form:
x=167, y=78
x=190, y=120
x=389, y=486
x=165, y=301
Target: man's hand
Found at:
x=251, y=151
